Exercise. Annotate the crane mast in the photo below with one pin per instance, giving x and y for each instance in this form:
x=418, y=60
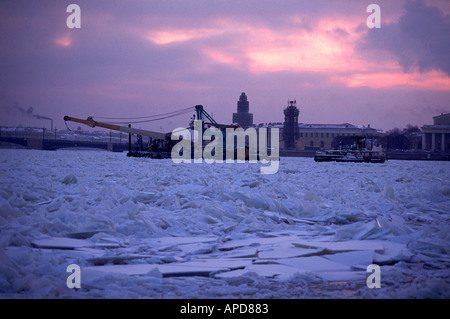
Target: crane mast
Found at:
x=163, y=142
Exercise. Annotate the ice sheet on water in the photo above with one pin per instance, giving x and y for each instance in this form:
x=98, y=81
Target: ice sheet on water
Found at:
x=7, y=210
x=358, y=259
x=154, y=208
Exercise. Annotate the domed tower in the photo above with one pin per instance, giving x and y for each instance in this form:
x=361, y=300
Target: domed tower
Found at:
x=243, y=117
x=290, y=127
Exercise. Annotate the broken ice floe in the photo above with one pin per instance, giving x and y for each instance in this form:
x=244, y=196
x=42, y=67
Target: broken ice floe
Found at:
x=278, y=257
x=159, y=214
x=275, y=255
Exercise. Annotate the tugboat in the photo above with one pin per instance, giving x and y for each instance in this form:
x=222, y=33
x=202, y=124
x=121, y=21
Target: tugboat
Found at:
x=367, y=154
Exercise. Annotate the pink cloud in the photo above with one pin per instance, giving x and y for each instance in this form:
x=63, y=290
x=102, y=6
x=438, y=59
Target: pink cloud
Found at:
x=168, y=36
x=222, y=57
x=432, y=80
x=64, y=40
x=300, y=50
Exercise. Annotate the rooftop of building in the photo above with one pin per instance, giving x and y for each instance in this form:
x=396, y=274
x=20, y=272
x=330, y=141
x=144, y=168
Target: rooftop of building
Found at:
x=321, y=126
x=446, y=115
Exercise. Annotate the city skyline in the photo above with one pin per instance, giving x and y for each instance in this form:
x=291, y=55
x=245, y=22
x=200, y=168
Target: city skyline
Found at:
x=142, y=58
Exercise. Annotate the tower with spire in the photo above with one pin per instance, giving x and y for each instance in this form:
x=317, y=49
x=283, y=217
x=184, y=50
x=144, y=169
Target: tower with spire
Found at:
x=243, y=117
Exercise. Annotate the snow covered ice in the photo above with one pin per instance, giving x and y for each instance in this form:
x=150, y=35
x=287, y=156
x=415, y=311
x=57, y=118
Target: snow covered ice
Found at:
x=143, y=228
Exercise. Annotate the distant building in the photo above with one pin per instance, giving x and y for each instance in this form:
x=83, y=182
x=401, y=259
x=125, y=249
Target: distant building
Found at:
x=243, y=117
x=329, y=136
x=436, y=137
x=325, y=136
x=290, y=125
x=318, y=136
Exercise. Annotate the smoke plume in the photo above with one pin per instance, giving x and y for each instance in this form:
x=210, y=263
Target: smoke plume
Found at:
x=30, y=113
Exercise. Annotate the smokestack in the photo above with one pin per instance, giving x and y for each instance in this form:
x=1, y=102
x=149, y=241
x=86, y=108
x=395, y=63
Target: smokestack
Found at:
x=31, y=114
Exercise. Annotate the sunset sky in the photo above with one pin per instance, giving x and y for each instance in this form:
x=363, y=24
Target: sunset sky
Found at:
x=138, y=58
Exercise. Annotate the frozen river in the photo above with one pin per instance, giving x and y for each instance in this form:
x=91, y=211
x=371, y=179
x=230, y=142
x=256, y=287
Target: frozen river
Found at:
x=142, y=228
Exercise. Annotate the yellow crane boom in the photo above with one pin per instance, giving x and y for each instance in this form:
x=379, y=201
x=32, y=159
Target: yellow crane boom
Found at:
x=92, y=123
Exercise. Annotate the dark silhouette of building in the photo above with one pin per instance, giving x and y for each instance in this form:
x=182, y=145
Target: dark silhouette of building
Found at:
x=243, y=117
x=290, y=125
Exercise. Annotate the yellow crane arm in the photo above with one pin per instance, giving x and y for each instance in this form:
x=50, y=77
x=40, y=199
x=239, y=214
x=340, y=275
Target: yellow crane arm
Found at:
x=92, y=123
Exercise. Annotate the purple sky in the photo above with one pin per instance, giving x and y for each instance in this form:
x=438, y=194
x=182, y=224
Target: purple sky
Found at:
x=139, y=58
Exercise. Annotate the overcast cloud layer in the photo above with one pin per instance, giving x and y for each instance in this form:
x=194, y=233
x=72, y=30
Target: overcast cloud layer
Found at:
x=138, y=58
